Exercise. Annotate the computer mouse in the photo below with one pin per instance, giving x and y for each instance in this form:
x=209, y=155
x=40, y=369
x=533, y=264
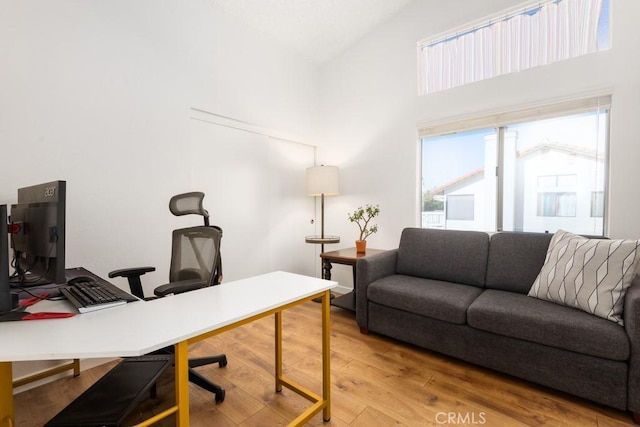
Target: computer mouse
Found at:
x=80, y=279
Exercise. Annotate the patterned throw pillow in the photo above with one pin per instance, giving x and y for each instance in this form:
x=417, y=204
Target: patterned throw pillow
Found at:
x=592, y=275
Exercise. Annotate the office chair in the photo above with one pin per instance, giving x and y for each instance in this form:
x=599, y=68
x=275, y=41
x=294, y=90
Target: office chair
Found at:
x=195, y=263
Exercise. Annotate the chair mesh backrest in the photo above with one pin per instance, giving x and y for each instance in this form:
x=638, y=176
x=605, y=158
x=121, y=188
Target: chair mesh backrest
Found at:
x=195, y=254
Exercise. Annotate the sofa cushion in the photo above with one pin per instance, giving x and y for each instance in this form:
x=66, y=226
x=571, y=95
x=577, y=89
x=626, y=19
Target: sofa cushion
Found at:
x=592, y=275
x=515, y=259
x=431, y=298
x=448, y=255
x=518, y=316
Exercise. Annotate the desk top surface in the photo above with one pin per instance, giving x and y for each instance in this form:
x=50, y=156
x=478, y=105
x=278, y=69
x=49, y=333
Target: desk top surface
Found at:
x=140, y=327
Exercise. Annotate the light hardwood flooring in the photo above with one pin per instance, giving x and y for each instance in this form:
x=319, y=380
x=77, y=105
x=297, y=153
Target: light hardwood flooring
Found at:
x=376, y=381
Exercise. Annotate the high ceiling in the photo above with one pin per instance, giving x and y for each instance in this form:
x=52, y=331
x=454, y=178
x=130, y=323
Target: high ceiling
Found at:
x=317, y=29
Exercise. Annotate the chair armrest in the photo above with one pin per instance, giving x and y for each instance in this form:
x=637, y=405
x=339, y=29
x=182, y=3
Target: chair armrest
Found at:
x=179, y=287
x=368, y=270
x=131, y=272
x=133, y=277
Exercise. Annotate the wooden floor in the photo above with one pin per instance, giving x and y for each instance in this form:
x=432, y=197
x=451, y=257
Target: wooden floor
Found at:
x=376, y=381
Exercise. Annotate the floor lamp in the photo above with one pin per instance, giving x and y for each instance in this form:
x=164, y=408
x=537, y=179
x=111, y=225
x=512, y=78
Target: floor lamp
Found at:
x=322, y=181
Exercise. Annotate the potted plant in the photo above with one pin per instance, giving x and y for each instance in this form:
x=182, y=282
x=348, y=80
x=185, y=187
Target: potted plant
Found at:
x=362, y=217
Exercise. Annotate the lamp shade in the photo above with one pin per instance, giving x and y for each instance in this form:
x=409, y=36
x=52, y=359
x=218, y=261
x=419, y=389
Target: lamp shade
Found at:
x=322, y=180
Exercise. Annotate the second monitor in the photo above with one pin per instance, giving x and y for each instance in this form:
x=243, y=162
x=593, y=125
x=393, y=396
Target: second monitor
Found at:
x=7, y=302
x=38, y=234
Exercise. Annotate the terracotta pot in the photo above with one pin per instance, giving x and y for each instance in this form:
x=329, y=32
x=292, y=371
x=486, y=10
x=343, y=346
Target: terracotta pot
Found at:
x=361, y=246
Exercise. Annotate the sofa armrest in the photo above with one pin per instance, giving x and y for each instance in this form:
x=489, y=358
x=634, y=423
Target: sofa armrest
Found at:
x=631, y=316
x=369, y=270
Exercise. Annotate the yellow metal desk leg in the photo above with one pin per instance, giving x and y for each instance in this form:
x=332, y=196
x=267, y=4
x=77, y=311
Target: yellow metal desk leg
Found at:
x=326, y=356
x=6, y=395
x=278, y=337
x=181, y=362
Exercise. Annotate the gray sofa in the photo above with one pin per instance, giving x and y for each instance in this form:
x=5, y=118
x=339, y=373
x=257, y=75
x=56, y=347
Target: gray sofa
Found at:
x=464, y=294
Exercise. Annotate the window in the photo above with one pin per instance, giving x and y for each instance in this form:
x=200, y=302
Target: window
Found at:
x=556, y=204
x=455, y=177
x=597, y=204
x=460, y=207
x=537, y=170
x=538, y=34
x=552, y=201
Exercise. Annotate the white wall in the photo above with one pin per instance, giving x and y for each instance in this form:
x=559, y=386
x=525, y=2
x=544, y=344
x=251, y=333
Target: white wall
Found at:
x=370, y=109
x=99, y=93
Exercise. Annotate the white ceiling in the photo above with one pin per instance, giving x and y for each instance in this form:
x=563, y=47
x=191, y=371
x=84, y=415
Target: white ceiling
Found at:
x=317, y=29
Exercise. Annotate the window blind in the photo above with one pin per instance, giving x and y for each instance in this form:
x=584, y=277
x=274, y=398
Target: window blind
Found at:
x=513, y=117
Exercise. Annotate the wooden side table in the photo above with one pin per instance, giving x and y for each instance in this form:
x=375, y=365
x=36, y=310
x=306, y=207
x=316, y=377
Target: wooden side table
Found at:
x=347, y=256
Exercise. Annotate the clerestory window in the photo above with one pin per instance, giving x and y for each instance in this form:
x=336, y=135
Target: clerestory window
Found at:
x=538, y=33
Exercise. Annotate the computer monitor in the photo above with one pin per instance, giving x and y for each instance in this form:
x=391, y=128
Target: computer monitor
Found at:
x=6, y=301
x=38, y=234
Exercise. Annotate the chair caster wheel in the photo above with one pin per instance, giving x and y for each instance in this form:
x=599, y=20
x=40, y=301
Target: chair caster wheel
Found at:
x=223, y=363
x=220, y=396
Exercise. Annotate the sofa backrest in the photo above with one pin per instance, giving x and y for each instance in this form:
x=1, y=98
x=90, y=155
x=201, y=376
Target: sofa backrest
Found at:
x=515, y=259
x=449, y=255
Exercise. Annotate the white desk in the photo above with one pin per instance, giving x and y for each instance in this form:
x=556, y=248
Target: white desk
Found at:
x=141, y=327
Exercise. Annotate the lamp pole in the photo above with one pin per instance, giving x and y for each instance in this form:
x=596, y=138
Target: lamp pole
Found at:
x=322, y=222
x=322, y=181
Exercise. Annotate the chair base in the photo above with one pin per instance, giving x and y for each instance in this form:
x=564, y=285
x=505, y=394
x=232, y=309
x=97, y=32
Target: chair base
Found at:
x=201, y=381
x=198, y=379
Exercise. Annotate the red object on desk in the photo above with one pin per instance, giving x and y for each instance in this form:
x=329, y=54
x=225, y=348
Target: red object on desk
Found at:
x=30, y=301
x=47, y=315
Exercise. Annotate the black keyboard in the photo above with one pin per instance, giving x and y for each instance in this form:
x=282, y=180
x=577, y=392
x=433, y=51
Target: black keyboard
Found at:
x=91, y=296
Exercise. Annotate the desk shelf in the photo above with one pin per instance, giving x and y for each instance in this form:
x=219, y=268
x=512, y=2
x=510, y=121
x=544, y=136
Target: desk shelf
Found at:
x=129, y=381
x=346, y=301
